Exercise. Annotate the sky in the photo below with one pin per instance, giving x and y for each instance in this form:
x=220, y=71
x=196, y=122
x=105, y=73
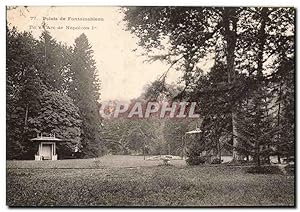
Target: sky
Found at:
x=123, y=72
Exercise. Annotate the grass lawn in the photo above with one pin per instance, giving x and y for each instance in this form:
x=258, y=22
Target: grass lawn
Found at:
x=107, y=182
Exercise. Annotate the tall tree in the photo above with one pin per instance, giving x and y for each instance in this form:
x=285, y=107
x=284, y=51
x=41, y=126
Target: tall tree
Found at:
x=51, y=60
x=84, y=90
x=241, y=41
x=59, y=116
x=35, y=103
x=194, y=34
x=229, y=16
x=23, y=90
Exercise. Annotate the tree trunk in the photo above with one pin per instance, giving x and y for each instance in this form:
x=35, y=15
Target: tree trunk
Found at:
x=230, y=25
x=235, y=154
x=260, y=79
x=219, y=150
x=183, y=146
x=258, y=157
x=144, y=150
x=26, y=115
x=278, y=124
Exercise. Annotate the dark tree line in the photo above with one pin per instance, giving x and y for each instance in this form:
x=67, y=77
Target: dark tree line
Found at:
x=51, y=88
x=247, y=96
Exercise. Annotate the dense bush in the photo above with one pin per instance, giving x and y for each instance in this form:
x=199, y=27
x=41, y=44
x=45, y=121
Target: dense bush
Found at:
x=196, y=160
x=290, y=169
x=216, y=161
x=264, y=170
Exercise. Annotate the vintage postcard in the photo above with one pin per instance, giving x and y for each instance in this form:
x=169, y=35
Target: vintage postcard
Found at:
x=150, y=106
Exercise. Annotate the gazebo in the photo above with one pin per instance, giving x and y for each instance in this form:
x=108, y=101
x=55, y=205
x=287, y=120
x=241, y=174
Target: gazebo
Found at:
x=196, y=131
x=46, y=147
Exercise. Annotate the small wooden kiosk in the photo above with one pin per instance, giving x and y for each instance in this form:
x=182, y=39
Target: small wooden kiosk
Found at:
x=46, y=147
x=184, y=144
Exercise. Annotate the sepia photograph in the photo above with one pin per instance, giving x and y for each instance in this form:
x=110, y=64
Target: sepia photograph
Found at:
x=150, y=106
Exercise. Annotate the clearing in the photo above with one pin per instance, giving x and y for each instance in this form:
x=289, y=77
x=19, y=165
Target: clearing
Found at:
x=132, y=181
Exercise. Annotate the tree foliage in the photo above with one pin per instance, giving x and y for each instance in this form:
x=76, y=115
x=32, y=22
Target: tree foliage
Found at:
x=84, y=90
x=39, y=100
x=237, y=95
